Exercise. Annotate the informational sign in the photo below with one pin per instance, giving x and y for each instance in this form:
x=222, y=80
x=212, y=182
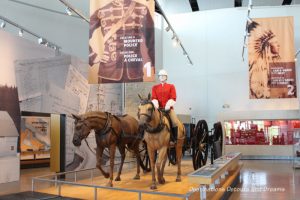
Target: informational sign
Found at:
x=35, y=137
x=121, y=41
x=271, y=56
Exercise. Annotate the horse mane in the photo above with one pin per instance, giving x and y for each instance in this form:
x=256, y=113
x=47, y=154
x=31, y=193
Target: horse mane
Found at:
x=94, y=114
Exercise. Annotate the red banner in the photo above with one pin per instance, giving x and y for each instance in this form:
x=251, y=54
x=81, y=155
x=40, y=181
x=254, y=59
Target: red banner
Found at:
x=121, y=41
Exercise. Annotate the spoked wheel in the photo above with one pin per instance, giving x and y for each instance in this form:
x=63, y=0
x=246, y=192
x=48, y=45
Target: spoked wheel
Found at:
x=172, y=155
x=145, y=160
x=200, y=144
x=218, y=137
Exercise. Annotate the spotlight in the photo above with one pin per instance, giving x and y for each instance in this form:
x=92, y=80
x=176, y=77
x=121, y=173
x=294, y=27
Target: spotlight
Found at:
x=175, y=42
x=21, y=33
x=3, y=24
x=173, y=37
x=42, y=41
x=168, y=28
x=68, y=11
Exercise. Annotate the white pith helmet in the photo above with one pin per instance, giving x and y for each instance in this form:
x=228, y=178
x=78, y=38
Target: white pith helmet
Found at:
x=162, y=72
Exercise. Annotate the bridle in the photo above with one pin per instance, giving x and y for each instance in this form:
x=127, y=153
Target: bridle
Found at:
x=150, y=129
x=149, y=117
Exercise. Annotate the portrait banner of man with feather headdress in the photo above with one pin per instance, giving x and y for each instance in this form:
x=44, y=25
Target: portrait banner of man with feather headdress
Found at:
x=271, y=58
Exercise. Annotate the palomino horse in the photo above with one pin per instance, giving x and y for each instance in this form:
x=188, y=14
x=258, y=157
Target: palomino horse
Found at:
x=111, y=132
x=157, y=136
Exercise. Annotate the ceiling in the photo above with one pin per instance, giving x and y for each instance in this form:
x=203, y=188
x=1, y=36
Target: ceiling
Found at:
x=183, y=6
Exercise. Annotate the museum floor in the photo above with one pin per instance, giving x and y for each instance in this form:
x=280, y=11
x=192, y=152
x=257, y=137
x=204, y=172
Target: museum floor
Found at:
x=260, y=179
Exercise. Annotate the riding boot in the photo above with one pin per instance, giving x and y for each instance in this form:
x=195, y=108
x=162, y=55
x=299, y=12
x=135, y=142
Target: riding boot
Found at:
x=174, y=136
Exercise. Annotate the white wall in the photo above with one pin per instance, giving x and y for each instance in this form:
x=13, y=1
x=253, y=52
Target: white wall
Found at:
x=214, y=41
x=71, y=33
x=15, y=48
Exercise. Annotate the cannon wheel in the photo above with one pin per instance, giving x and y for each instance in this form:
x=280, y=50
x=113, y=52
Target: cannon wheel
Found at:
x=145, y=160
x=200, y=144
x=218, y=134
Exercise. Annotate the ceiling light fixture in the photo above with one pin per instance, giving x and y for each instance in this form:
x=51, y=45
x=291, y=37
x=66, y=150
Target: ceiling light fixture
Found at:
x=68, y=11
x=247, y=34
x=22, y=30
x=168, y=28
x=21, y=33
x=3, y=24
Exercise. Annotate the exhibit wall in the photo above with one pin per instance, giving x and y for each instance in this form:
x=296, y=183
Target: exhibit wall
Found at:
x=56, y=84
x=218, y=80
x=69, y=32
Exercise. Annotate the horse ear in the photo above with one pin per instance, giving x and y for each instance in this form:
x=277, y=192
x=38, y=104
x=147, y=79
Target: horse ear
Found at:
x=140, y=97
x=76, y=117
x=149, y=96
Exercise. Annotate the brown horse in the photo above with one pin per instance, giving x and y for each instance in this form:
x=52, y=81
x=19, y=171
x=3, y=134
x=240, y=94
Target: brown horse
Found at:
x=157, y=136
x=111, y=132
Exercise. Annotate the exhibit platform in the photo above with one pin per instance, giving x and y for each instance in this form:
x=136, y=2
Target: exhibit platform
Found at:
x=33, y=196
x=94, y=186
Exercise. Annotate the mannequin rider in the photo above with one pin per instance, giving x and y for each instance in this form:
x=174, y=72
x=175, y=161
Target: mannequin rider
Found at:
x=164, y=97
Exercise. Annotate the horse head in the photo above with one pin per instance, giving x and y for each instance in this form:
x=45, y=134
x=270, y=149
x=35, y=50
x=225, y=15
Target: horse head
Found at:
x=81, y=129
x=145, y=110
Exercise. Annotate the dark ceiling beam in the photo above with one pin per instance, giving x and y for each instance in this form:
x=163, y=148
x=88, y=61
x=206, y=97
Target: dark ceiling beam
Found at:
x=286, y=2
x=237, y=3
x=194, y=5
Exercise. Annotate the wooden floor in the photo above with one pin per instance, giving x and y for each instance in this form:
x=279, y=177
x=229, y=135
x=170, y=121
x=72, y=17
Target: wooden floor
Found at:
x=260, y=179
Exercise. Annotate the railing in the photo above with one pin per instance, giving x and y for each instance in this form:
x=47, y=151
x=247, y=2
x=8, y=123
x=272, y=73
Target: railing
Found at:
x=54, y=178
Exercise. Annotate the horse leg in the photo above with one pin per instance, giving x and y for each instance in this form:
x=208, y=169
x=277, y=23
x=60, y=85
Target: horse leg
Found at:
x=178, y=158
x=138, y=161
x=122, y=152
x=112, y=151
x=99, y=153
x=151, y=153
x=163, y=167
x=162, y=156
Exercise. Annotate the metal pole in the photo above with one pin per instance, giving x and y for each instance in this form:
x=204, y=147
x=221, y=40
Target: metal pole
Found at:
x=92, y=175
x=32, y=185
x=59, y=189
x=140, y=196
x=95, y=193
x=55, y=181
x=75, y=177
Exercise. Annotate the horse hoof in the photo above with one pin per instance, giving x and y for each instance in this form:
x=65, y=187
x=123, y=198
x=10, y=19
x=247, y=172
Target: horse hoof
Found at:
x=178, y=179
x=137, y=177
x=162, y=181
x=118, y=179
x=106, y=175
x=153, y=187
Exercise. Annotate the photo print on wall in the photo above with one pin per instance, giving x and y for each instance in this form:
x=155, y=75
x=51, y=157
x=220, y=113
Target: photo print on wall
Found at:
x=271, y=58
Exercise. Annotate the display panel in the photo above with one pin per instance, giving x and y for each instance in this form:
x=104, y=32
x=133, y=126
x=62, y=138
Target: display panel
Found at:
x=35, y=137
x=260, y=132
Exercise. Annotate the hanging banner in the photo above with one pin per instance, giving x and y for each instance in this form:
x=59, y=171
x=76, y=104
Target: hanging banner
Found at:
x=271, y=54
x=121, y=41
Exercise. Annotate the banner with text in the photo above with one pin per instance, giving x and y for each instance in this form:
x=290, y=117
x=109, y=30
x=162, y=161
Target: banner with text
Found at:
x=271, y=55
x=121, y=41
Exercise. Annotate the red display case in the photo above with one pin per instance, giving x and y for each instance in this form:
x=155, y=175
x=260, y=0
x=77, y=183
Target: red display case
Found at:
x=260, y=132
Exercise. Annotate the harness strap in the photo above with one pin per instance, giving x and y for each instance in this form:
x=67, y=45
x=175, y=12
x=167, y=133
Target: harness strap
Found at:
x=160, y=126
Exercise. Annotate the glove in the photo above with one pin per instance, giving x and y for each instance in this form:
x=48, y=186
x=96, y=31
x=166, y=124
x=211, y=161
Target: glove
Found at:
x=155, y=103
x=170, y=103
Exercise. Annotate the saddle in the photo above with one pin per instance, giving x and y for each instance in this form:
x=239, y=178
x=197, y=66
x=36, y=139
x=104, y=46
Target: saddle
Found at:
x=167, y=115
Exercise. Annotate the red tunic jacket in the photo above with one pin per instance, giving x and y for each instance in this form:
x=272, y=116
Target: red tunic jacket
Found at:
x=163, y=92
